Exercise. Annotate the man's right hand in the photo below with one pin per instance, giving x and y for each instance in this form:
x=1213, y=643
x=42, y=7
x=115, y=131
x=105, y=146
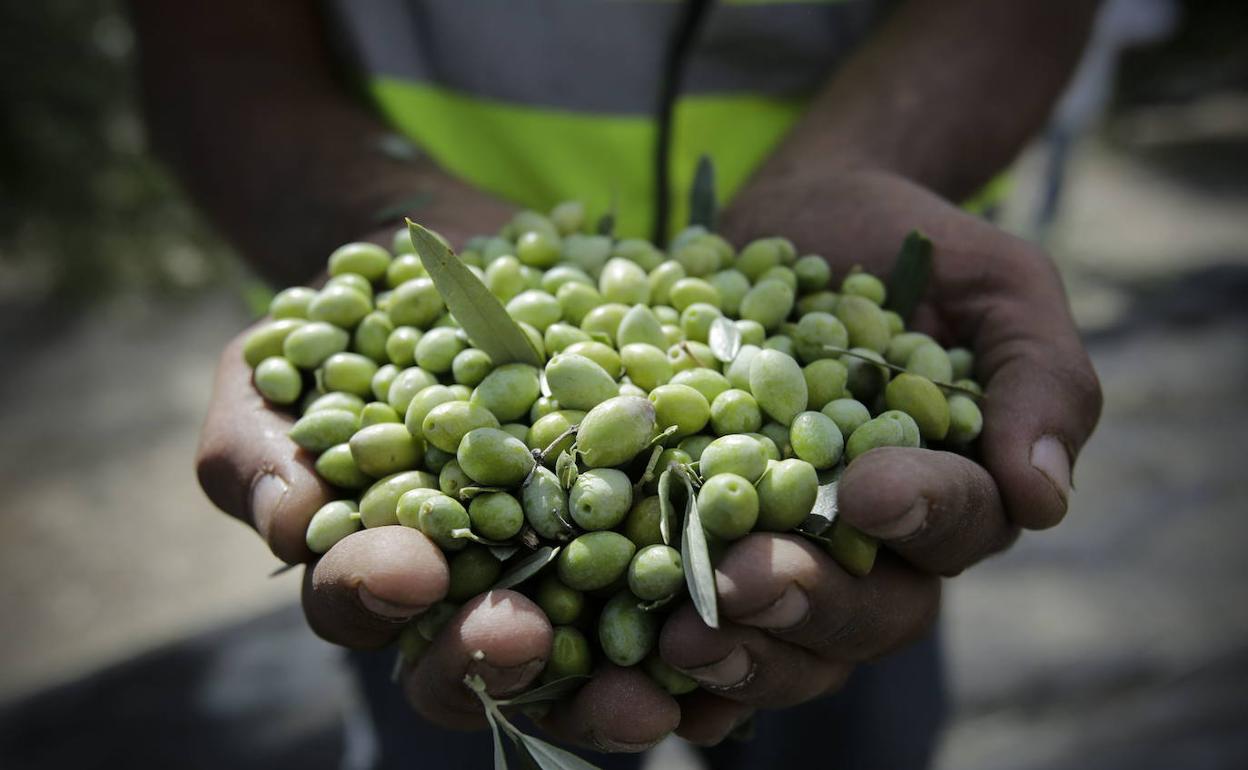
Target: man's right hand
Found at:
x=367, y=587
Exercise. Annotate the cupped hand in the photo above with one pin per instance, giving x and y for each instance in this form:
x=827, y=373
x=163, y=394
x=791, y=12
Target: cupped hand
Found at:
x=369, y=585
x=792, y=621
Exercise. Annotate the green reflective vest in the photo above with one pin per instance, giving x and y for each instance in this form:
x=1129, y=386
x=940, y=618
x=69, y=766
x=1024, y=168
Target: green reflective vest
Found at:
x=539, y=101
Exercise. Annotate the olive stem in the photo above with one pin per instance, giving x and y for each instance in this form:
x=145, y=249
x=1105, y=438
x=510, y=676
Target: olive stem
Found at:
x=895, y=369
x=543, y=454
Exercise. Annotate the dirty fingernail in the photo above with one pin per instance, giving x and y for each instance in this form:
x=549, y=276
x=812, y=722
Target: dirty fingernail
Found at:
x=385, y=609
x=731, y=671
x=266, y=495
x=789, y=611
x=905, y=525
x=1049, y=456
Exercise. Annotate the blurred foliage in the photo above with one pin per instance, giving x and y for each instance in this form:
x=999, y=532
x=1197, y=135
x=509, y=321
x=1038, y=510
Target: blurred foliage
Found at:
x=85, y=212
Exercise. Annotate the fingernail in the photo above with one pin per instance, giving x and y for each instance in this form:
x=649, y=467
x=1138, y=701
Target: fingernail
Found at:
x=611, y=746
x=267, y=492
x=905, y=525
x=1049, y=456
x=502, y=681
x=789, y=611
x=733, y=670
x=385, y=609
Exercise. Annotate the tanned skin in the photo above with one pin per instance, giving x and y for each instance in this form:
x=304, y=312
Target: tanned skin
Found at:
x=245, y=103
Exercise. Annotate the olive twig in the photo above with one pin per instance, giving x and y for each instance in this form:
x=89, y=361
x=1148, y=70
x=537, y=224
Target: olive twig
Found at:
x=895, y=369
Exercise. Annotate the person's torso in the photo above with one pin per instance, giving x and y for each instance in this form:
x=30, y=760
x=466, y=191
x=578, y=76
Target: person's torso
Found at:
x=540, y=101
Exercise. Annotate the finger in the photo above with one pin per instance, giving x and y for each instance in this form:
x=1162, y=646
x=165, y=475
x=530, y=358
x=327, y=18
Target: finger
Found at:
x=370, y=583
x=746, y=664
x=1042, y=397
x=707, y=719
x=619, y=710
x=250, y=469
x=1004, y=296
x=500, y=636
x=789, y=588
x=938, y=510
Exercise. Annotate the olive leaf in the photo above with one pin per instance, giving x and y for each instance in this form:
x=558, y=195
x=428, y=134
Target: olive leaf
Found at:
x=689, y=352
x=527, y=567
x=478, y=311
x=551, y=757
x=724, y=339
x=702, y=194
x=824, y=511
x=696, y=559
x=500, y=756
x=503, y=552
x=910, y=275
x=551, y=691
x=667, y=511
x=471, y=491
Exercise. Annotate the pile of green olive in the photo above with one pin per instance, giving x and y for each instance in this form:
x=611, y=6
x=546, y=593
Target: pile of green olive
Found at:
x=745, y=371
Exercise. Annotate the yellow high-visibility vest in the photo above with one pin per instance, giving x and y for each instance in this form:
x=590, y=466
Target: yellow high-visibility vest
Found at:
x=539, y=101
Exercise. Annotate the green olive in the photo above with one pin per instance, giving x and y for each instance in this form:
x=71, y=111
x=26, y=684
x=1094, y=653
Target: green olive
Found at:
x=626, y=632
x=655, y=573
x=493, y=457
x=594, y=560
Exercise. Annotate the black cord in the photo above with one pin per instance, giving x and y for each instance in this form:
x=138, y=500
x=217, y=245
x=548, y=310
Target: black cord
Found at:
x=673, y=70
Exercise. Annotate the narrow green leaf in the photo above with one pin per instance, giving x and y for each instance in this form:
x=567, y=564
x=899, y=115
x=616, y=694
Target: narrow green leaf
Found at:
x=469, y=492
x=702, y=206
x=500, y=756
x=724, y=339
x=556, y=690
x=824, y=511
x=694, y=555
x=526, y=759
x=504, y=552
x=910, y=275
x=551, y=757
x=527, y=567
x=478, y=312
x=667, y=511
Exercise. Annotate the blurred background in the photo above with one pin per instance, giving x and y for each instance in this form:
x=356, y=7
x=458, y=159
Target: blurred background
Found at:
x=140, y=625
